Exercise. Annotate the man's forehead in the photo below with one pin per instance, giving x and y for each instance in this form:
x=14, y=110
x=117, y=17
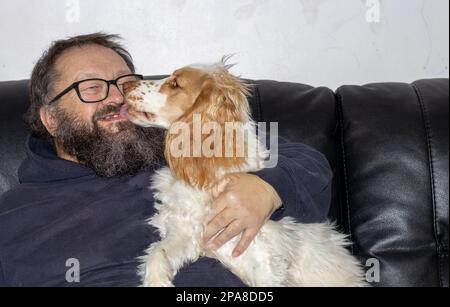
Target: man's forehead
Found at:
x=94, y=74
x=91, y=61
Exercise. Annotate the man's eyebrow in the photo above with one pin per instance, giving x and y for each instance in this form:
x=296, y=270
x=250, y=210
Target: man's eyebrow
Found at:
x=122, y=73
x=83, y=75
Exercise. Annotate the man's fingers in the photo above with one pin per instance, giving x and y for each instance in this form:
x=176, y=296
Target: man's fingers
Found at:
x=229, y=233
x=219, y=222
x=219, y=187
x=247, y=238
x=217, y=207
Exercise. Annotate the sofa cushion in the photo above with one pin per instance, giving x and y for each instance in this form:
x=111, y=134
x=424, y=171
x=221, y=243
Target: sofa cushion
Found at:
x=304, y=114
x=434, y=102
x=394, y=140
x=13, y=104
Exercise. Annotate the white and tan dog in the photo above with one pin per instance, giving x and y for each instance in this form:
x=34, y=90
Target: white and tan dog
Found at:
x=284, y=253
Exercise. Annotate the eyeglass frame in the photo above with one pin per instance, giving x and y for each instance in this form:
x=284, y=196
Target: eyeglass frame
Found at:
x=75, y=86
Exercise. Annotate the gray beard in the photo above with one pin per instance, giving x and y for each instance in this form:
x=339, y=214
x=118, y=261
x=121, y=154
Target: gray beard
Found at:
x=109, y=155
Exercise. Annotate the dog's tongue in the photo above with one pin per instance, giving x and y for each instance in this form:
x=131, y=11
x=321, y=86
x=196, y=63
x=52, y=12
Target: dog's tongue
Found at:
x=124, y=111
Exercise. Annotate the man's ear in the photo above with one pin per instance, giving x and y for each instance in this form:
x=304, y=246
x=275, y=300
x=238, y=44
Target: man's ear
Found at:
x=49, y=120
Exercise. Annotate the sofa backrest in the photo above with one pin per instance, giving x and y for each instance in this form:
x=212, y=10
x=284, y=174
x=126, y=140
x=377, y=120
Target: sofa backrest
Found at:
x=13, y=132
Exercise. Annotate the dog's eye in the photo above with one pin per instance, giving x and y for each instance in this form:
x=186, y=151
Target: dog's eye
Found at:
x=174, y=83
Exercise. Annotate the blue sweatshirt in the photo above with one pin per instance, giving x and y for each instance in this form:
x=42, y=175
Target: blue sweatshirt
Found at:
x=62, y=210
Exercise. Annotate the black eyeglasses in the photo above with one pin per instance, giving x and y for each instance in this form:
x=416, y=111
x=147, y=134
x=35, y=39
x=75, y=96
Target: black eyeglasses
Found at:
x=96, y=90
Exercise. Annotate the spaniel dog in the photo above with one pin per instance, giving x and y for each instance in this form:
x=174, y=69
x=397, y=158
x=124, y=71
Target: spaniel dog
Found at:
x=284, y=253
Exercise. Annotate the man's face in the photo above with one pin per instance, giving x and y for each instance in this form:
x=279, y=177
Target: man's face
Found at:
x=112, y=146
x=87, y=62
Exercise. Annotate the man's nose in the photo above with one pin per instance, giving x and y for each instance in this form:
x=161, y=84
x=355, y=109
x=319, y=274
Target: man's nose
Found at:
x=114, y=95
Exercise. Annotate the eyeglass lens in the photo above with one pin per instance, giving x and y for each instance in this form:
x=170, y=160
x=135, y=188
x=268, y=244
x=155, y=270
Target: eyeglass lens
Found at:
x=96, y=90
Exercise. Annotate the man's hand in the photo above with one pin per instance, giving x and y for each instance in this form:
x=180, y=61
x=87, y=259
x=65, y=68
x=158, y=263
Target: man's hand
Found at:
x=242, y=203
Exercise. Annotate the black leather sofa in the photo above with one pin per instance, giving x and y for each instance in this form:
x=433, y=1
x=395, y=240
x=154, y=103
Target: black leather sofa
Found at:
x=387, y=144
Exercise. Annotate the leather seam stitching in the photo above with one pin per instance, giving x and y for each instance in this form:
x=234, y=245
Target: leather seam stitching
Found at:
x=258, y=103
x=428, y=135
x=344, y=163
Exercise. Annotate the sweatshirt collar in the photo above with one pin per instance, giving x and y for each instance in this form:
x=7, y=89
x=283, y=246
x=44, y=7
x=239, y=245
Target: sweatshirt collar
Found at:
x=43, y=165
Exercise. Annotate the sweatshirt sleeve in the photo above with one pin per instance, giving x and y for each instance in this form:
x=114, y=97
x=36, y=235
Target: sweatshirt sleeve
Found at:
x=302, y=179
x=2, y=277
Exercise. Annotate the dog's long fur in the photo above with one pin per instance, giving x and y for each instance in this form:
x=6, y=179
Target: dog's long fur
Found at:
x=284, y=253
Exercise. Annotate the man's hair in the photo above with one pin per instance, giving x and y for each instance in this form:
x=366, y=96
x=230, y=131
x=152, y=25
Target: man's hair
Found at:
x=44, y=74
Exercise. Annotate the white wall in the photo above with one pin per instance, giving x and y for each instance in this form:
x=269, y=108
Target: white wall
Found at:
x=318, y=42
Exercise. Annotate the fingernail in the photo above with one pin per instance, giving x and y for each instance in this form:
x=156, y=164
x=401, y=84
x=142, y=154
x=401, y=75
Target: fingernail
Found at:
x=236, y=254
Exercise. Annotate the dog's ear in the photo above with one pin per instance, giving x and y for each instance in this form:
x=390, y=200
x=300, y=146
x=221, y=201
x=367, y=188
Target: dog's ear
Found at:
x=229, y=102
x=207, y=94
x=223, y=98
x=220, y=104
